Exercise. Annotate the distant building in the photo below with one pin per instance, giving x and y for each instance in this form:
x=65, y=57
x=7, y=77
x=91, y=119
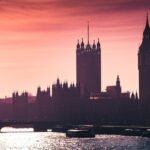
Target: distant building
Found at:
x=88, y=67
x=65, y=101
x=20, y=106
x=144, y=64
x=114, y=92
x=64, y=92
x=43, y=102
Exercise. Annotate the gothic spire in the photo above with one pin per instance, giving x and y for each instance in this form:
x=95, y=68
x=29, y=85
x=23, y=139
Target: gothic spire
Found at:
x=147, y=27
x=94, y=46
x=118, y=81
x=98, y=44
x=82, y=44
x=118, y=78
x=88, y=32
x=78, y=44
x=147, y=21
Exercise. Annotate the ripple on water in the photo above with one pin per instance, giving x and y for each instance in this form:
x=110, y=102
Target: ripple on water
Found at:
x=58, y=141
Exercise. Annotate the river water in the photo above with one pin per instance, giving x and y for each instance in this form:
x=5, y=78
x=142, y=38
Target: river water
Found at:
x=18, y=139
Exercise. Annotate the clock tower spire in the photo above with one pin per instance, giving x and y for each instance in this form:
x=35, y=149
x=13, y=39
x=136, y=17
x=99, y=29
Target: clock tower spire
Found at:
x=146, y=33
x=144, y=64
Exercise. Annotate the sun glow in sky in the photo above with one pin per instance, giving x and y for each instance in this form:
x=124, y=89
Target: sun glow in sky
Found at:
x=38, y=40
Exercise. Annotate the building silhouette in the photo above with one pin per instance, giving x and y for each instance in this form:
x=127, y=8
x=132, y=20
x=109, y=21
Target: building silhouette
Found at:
x=88, y=67
x=65, y=101
x=43, y=102
x=114, y=92
x=20, y=106
x=84, y=102
x=144, y=64
x=62, y=92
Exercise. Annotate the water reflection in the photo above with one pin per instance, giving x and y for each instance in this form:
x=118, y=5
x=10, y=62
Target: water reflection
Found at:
x=10, y=129
x=57, y=141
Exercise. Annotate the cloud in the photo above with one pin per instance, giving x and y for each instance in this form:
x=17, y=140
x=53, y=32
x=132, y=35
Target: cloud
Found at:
x=44, y=15
x=80, y=5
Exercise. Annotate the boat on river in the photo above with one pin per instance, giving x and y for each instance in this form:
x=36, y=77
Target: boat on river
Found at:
x=79, y=133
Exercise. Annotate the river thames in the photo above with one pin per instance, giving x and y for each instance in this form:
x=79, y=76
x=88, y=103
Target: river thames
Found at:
x=23, y=139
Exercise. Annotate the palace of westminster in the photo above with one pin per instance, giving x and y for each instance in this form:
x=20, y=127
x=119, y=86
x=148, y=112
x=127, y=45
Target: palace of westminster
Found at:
x=85, y=102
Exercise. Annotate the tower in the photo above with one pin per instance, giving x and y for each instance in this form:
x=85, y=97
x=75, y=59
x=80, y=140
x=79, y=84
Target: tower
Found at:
x=144, y=64
x=118, y=87
x=88, y=66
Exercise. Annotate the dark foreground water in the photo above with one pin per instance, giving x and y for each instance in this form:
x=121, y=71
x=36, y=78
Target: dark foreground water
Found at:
x=58, y=141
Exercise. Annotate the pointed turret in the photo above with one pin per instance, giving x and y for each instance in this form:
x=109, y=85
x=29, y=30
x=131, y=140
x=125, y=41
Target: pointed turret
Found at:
x=38, y=90
x=94, y=46
x=82, y=44
x=98, y=44
x=78, y=45
x=147, y=22
x=118, y=81
x=132, y=96
x=58, y=82
x=48, y=91
x=145, y=45
x=136, y=96
x=118, y=87
x=146, y=33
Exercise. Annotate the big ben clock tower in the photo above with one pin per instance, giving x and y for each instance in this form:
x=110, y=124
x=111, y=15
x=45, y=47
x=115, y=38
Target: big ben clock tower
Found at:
x=144, y=64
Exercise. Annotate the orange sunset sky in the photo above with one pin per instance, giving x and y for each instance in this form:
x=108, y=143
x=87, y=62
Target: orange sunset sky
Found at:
x=38, y=41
